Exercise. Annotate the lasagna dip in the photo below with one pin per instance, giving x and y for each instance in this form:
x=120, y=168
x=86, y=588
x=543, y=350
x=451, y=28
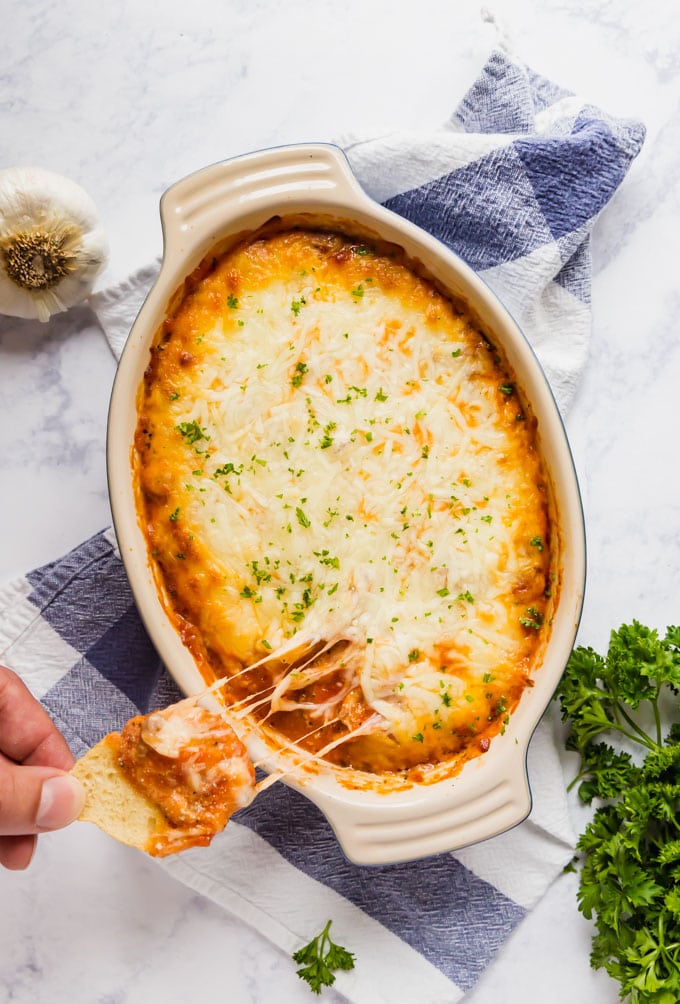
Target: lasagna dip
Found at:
x=344, y=503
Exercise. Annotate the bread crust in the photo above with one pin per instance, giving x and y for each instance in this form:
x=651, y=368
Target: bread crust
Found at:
x=112, y=803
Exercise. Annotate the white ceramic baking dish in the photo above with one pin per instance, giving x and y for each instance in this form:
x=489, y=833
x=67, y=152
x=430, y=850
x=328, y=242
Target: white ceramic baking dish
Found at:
x=491, y=793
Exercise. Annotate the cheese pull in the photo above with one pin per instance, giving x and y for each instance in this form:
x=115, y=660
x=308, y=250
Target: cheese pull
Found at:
x=168, y=781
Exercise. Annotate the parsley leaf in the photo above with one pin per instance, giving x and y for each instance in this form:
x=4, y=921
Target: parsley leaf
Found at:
x=630, y=850
x=192, y=431
x=320, y=958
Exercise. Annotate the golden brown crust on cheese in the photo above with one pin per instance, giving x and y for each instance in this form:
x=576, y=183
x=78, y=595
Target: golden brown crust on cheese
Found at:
x=328, y=447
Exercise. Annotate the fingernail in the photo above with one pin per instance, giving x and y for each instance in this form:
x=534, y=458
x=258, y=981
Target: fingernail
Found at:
x=61, y=800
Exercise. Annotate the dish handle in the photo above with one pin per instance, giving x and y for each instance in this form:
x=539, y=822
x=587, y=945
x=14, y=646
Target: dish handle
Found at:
x=384, y=830
x=196, y=209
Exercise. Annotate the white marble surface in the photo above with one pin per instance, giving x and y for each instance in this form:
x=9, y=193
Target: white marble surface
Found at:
x=126, y=98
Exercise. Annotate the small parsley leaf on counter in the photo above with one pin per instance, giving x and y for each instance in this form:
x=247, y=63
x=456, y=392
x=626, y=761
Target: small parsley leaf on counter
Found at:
x=320, y=959
x=629, y=852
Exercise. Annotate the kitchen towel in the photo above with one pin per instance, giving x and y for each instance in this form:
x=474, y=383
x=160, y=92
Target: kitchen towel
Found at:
x=513, y=183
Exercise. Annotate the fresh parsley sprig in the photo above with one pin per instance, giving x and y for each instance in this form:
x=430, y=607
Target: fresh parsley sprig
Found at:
x=320, y=958
x=630, y=851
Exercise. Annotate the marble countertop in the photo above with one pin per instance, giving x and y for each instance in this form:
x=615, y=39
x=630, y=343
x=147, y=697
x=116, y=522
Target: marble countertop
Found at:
x=126, y=99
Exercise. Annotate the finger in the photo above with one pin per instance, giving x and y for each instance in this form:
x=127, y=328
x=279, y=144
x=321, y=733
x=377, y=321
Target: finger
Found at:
x=27, y=733
x=36, y=799
x=16, y=852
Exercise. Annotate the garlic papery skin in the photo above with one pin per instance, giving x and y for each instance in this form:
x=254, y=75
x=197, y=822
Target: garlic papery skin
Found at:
x=52, y=245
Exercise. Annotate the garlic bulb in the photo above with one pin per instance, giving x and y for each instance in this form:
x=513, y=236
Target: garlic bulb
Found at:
x=52, y=246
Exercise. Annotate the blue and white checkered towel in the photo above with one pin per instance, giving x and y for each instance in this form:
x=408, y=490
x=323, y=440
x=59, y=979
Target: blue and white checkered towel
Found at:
x=513, y=183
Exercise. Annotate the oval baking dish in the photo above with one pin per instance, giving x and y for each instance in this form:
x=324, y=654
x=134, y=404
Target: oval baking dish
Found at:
x=211, y=210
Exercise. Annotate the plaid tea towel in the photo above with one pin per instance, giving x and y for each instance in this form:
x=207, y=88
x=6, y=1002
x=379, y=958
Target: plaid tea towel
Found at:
x=513, y=183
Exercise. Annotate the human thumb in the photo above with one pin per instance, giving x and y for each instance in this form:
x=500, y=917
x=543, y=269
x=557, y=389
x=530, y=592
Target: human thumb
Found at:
x=61, y=800
x=35, y=799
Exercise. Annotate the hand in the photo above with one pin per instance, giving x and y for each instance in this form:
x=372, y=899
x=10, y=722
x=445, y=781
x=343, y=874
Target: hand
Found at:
x=36, y=793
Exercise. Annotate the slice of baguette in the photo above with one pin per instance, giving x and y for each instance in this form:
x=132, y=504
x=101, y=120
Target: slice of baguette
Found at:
x=113, y=803
x=168, y=781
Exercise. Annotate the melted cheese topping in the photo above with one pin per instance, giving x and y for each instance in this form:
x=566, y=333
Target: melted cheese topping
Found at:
x=329, y=450
x=184, y=732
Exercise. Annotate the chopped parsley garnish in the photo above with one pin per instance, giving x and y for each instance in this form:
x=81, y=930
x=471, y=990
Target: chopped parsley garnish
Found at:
x=297, y=305
x=325, y=558
x=302, y=519
x=533, y=619
x=260, y=574
x=232, y=301
x=192, y=431
x=228, y=468
x=300, y=370
x=327, y=438
x=357, y=391
x=537, y=541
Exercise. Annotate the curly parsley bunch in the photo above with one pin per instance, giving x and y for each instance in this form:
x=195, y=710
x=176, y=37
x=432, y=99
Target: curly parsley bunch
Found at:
x=630, y=851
